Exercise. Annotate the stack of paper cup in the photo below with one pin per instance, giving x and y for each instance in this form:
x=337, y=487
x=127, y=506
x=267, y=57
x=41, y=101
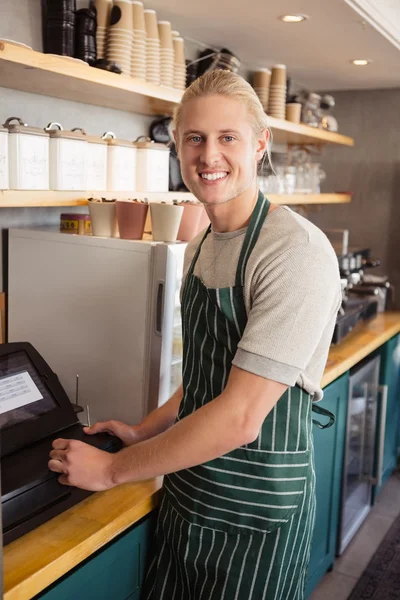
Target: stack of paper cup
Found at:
x=179, y=64
x=119, y=44
x=277, y=92
x=152, y=47
x=175, y=34
x=166, y=53
x=138, y=61
x=103, y=8
x=261, y=81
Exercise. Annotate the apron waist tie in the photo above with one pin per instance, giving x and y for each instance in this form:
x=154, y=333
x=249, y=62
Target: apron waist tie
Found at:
x=324, y=412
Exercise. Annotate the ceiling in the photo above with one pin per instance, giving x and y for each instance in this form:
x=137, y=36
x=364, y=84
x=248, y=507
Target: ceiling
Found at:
x=317, y=52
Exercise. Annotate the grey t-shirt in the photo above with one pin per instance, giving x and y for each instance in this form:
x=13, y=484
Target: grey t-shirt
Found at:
x=291, y=291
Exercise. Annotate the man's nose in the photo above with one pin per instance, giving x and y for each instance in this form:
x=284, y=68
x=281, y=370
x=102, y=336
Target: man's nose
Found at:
x=210, y=153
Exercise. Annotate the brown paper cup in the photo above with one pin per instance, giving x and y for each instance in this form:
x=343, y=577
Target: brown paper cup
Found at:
x=131, y=217
x=278, y=75
x=122, y=15
x=179, y=48
x=150, y=19
x=138, y=16
x=261, y=78
x=293, y=112
x=103, y=8
x=165, y=33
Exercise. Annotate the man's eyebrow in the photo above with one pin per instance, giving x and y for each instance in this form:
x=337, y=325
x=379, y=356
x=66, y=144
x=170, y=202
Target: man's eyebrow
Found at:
x=195, y=131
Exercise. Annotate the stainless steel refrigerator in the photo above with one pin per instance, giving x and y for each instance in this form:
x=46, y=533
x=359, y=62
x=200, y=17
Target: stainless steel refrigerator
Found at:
x=107, y=310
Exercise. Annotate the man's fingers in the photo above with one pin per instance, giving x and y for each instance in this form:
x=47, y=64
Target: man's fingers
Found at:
x=58, y=454
x=56, y=466
x=97, y=428
x=60, y=444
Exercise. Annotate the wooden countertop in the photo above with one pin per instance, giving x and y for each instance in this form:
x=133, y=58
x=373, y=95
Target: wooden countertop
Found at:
x=364, y=339
x=39, y=558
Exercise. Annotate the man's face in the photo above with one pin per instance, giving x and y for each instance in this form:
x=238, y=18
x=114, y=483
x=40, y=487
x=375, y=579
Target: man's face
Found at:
x=217, y=150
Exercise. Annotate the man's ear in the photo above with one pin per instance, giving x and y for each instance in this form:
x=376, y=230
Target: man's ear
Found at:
x=262, y=144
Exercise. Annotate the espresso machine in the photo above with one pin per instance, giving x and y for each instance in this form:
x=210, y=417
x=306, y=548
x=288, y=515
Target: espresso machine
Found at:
x=363, y=294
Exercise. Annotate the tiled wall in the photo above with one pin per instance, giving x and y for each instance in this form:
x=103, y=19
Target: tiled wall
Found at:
x=371, y=170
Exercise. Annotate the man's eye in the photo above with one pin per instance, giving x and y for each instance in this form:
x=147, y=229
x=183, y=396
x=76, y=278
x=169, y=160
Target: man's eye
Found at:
x=228, y=138
x=195, y=138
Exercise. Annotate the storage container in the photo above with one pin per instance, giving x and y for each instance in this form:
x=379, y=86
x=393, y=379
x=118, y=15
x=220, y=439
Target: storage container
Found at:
x=67, y=158
x=121, y=164
x=3, y=158
x=28, y=156
x=96, y=164
x=152, y=166
x=78, y=224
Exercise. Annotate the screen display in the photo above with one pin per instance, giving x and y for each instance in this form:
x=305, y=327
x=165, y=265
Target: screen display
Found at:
x=23, y=395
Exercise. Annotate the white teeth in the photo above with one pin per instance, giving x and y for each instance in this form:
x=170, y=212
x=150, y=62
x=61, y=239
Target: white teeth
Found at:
x=213, y=176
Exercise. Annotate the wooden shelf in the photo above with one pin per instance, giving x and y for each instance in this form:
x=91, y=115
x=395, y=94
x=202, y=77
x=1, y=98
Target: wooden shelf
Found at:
x=309, y=198
x=21, y=198
x=285, y=132
x=62, y=77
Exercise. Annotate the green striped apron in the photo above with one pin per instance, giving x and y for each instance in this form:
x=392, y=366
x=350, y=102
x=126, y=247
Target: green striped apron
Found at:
x=238, y=527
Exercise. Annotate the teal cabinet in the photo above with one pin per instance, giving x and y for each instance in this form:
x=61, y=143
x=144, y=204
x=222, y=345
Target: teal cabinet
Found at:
x=328, y=452
x=116, y=572
x=390, y=377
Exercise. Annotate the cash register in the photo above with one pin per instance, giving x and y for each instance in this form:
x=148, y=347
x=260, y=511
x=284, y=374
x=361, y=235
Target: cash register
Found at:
x=35, y=410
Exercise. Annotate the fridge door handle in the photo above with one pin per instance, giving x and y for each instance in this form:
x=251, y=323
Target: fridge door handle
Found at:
x=159, y=307
x=383, y=389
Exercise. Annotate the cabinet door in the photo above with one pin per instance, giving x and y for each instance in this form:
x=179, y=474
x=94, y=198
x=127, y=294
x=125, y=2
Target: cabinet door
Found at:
x=390, y=376
x=116, y=571
x=328, y=452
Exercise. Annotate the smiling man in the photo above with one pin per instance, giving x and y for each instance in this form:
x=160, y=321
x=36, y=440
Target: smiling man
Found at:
x=260, y=295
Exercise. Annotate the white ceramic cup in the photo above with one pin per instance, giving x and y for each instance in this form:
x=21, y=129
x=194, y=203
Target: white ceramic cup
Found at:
x=104, y=219
x=165, y=220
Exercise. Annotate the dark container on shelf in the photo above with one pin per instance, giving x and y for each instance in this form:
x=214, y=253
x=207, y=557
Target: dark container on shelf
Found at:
x=58, y=26
x=85, y=35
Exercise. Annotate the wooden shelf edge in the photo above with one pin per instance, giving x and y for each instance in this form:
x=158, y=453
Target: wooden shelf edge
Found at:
x=298, y=133
x=309, y=198
x=61, y=77
x=48, y=198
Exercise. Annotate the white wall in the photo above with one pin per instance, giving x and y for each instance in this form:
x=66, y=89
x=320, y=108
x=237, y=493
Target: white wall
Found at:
x=20, y=20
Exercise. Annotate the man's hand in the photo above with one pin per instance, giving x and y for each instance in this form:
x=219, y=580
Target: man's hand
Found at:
x=128, y=434
x=81, y=465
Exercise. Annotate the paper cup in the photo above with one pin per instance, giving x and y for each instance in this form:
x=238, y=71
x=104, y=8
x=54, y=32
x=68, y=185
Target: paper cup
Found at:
x=278, y=75
x=165, y=219
x=138, y=16
x=103, y=8
x=104, y=219
x=190, y=221
x=293, y=112
x=261, y=78
x=131, y=217
x=150, y=19
x=165, y=34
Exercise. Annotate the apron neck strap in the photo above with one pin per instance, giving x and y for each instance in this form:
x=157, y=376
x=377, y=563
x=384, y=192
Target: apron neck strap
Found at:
x=257, y=219
x=196, y=255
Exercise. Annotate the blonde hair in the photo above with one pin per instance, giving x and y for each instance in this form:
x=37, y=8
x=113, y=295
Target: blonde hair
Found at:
x=231, y=85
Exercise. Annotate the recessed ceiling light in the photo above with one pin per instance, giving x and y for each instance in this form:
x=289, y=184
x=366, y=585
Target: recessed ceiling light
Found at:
x=361, y=62
x=293, y=18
